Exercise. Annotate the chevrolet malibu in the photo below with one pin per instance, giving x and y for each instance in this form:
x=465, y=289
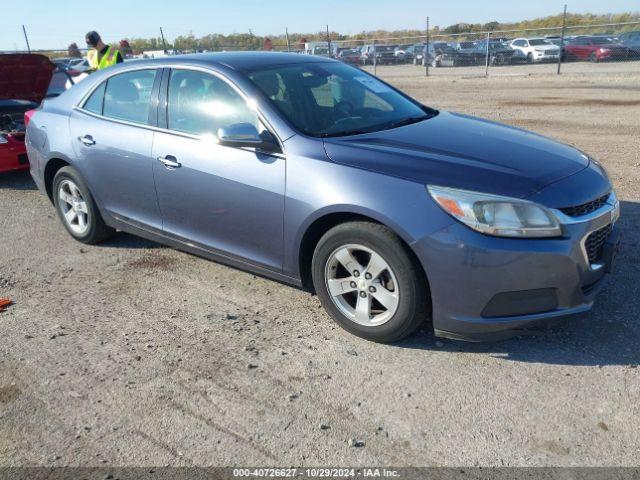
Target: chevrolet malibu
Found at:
x=317, y=174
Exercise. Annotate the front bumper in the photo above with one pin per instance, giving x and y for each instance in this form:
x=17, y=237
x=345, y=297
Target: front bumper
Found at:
x=613, y=54
x=546, y=57
x=485, y=287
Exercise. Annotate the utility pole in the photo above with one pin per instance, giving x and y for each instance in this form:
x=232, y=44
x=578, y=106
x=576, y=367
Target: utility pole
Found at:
x=425, y=55
x=286, y=32
x=328, y=41
x=564, y=25
x=486, y=60
x=164, y=43
x=26, y=39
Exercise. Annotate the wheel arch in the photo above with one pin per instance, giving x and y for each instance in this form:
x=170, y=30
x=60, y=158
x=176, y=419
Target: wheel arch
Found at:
x=51, y=168
x=326, y=221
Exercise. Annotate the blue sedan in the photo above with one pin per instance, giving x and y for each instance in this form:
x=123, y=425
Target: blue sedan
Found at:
x=314, y=173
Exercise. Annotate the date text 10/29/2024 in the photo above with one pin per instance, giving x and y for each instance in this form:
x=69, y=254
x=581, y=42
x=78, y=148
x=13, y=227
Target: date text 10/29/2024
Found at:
x=315, y=472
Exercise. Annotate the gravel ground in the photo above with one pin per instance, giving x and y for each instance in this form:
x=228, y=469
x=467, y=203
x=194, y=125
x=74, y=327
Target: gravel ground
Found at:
x=130, y=353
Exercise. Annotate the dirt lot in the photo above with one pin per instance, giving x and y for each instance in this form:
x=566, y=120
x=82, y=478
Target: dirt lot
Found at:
x=134, y=354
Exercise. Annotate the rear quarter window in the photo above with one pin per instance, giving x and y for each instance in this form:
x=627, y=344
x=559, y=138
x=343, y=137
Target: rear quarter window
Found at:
x=94, y=102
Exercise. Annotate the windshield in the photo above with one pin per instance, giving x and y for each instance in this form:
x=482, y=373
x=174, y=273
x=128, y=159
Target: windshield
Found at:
x=538, y=41
x=498, y=46
x=334, y=99
x=385, y=48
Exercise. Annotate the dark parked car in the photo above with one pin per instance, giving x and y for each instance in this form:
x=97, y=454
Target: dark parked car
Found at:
x=442, y=54
x=595, y=49
x=315, y=173
x=349, y=55
x=631, y=40
x=500, y=53
x=466, y=47
x=383, y=54
x=401, y=54
x=419, y=57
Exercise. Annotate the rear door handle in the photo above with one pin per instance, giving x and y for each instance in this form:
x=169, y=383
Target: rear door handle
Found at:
x=170, y=162
x=87, y=140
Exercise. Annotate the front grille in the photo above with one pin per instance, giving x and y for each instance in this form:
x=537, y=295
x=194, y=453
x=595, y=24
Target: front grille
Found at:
x=585, y=208
x=595, y=243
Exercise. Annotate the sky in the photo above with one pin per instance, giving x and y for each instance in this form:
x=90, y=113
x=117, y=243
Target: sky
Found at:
x=57, y=23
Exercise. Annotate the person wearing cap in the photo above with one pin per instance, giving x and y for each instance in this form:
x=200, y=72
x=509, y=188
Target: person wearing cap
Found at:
x=100, y=55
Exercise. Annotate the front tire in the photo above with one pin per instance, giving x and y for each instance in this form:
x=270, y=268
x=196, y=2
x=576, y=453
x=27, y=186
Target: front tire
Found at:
x=77, y=209
x=368, y=282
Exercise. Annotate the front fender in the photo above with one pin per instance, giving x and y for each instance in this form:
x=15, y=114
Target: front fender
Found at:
x=403, y=206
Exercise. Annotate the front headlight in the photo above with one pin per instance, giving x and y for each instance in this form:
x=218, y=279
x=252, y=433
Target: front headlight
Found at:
x=496, y=215
x=3, y=140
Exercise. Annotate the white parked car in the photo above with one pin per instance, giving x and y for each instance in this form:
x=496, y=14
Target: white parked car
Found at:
x=537, y=49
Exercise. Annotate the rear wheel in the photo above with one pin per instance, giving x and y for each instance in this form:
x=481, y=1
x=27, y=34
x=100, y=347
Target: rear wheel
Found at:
x=367, y=281
x=77, y=209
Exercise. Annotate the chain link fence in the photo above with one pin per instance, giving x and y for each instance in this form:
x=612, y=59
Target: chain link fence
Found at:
x=611, y=47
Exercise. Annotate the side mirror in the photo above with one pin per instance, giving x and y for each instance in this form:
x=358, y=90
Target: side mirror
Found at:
x=243, y=135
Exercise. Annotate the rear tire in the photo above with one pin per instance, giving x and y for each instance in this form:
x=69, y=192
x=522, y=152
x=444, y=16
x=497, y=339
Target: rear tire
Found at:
x=381, y=294
x=77, y=209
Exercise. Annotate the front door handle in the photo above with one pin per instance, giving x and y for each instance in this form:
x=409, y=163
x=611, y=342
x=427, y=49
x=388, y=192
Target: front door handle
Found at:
x=170, y=162
x=87, y=140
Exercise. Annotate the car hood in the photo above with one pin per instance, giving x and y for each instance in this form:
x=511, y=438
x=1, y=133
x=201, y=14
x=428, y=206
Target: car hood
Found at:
x=460, y=151
x=25, y=76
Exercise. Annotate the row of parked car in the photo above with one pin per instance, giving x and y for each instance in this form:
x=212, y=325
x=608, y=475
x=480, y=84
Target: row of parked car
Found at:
x=500, y=51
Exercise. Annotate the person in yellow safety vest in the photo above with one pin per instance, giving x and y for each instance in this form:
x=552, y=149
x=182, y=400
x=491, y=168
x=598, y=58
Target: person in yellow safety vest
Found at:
x=100, y=55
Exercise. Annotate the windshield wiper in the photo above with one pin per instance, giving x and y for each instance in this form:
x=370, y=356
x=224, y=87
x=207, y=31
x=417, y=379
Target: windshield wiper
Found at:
x=407, y=121
x=344, y=133
x=385, y=126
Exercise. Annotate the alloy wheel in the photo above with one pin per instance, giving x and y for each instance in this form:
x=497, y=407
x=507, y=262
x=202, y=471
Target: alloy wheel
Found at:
x=73, y=207
x=362, y=285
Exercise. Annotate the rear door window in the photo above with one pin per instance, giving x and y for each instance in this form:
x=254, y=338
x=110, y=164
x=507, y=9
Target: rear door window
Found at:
x=128, y=96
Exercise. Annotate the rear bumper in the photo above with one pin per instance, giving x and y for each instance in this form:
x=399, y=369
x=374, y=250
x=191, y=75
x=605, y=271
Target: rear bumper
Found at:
x=490, y=288
x=13, y=155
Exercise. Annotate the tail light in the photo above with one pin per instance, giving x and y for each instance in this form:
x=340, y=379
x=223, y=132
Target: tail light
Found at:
x=27, y=116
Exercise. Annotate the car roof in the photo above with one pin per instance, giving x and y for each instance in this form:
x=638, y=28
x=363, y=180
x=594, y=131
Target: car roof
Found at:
x=234, y=60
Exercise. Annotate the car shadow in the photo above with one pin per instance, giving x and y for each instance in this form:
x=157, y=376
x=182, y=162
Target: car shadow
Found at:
x=126, y=240
x=608, y=335
x=19, y=180
x=22, y=181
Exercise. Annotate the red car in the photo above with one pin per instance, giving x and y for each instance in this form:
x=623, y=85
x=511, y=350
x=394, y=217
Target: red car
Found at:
x=595, y=49
x=349, y=55
x=24, y=81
